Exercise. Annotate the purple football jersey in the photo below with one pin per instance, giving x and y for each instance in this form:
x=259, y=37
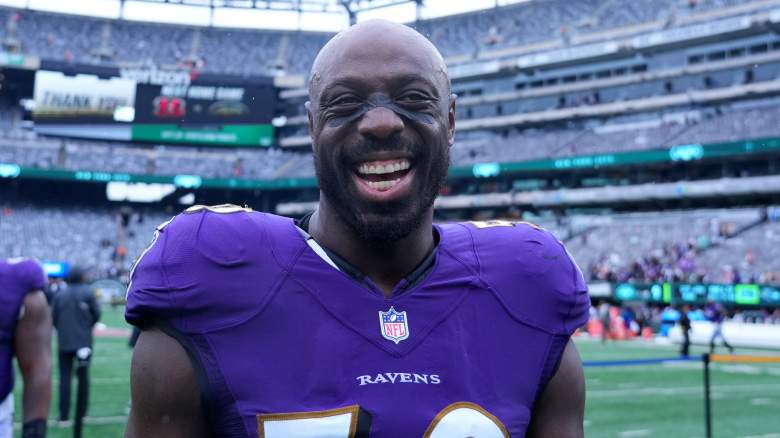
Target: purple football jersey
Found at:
x=288, y=345
x=18, y=277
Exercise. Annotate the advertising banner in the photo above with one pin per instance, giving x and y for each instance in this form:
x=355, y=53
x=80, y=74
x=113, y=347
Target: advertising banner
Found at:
x=224, y=135
x=79, y=99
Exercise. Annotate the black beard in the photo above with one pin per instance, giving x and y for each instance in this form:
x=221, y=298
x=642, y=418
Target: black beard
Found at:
x=382, y=224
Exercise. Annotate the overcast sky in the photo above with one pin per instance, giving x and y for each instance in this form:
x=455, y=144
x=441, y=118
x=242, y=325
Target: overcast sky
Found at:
x=246, y=18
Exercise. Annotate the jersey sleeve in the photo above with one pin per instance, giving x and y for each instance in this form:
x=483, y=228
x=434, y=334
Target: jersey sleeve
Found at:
x=534, y=275
x=203, y=271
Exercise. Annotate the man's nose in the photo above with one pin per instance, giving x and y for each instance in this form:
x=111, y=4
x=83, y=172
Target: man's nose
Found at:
x=380, y=123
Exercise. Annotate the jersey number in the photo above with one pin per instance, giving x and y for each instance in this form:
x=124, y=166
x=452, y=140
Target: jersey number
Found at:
x=457, y=420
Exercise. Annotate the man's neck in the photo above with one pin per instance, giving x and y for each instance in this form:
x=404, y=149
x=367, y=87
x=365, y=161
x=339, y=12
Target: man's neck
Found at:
x=386, y=264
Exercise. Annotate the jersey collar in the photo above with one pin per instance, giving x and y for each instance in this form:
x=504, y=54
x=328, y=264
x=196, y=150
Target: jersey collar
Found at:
x=409, y=281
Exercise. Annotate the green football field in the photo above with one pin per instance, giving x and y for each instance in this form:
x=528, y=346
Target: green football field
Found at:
x=660, y=400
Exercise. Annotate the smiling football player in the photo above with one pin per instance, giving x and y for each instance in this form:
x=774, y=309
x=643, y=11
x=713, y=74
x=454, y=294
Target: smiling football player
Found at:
x=363, y=319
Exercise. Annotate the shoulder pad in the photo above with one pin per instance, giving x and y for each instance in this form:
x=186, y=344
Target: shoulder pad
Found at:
x=533, y=274
x=204, y=271
x=502, y=223
x=221, y=208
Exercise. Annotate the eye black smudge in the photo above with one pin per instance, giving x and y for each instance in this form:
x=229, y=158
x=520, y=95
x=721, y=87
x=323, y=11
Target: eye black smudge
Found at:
x=380, y=100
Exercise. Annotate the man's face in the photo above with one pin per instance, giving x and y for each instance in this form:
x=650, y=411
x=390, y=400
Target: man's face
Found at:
x=382, y=122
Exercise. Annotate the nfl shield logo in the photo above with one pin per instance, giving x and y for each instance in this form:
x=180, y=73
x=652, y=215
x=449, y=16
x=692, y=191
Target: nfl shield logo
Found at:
x=394, y=325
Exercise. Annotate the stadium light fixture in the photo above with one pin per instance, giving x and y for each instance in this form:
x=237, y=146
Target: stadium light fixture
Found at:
x=9, y=170
x=187, y=199
x=187, y=181
x=279, y=122
x=124, y=114
x=138, y=192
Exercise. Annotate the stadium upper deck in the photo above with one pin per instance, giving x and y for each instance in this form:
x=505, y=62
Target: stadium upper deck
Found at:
x=498, y=32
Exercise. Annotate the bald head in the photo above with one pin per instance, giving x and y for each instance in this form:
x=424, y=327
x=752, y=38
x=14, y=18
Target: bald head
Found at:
x=382, y=43
x=379, y=93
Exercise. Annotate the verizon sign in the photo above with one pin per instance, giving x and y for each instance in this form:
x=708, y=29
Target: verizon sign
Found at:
x=155, y=76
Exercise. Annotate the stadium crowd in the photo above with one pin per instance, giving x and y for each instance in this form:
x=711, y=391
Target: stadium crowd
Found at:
x=711, y=125
x=104, y=240
x=100, y=41
x=156, y=160
x=718, y=246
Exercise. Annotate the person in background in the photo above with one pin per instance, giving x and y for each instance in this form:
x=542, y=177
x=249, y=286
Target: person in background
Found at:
x=716, y=314
x=75, y=312
x=605, y=319
x=685, y=328
x=25, y=332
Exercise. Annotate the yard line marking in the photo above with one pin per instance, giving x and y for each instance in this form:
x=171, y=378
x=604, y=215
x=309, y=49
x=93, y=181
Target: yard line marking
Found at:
x=640, y=344
x=118, y=419
x=636, y=433
x=683, y=365
x=761, y=401
x=769, y=435
x=678, y=390
x=635, y=368
x=106, y=420
x=101, y=380
x=694, y=365
x=742, y=369
x=103, y=359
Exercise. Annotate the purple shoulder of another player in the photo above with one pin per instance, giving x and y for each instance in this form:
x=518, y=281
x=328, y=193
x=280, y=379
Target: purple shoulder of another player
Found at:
x=532, y=274
x=207, y=269
x=28, y=272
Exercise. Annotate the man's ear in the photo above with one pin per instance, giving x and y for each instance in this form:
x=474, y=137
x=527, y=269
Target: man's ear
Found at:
x=307, y=105
x=451, y=119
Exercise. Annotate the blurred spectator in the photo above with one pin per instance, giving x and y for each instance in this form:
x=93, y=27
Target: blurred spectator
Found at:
x=605, y=318
x=716, y=314
x=685, y=328
x=75, y=312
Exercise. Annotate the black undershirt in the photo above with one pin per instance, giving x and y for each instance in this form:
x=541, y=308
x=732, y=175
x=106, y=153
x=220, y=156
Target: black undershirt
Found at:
x=412, y=279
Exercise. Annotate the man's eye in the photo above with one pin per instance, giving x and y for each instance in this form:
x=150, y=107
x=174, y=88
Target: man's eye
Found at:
x=346, y=100
x=413, y=98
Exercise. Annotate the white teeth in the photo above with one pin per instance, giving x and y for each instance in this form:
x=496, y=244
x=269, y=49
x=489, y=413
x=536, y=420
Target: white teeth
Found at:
x=380, y=169
x=383, y=185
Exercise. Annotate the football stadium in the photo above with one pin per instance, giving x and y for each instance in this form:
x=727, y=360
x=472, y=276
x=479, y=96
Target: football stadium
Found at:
x=643, y=134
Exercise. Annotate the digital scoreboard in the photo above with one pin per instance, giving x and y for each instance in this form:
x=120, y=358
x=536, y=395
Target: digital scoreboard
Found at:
x=744, y=294
x=203, y=104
